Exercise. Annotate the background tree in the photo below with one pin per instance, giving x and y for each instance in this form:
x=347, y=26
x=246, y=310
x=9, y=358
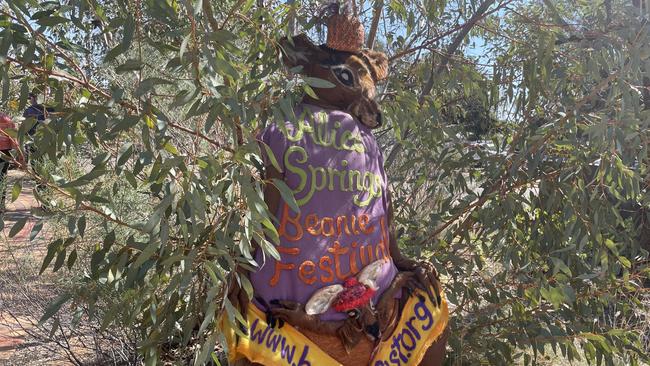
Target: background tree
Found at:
x=153, y=169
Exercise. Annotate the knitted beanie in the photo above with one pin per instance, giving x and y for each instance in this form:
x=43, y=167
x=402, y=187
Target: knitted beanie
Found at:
x=344, y=29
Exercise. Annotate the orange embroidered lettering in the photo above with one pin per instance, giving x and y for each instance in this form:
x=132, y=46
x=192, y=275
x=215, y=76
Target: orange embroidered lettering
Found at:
x=354, y=225
x=306, y=271
x=384, y=234
x=353, y=259
x=327, y=268
x=364, y=220
x=342, y=221
x=311, y=225
x=327, y=226
x=294, y=221
x=280, y=266
x=338, y=252
x=365, y=259
x=380, y=251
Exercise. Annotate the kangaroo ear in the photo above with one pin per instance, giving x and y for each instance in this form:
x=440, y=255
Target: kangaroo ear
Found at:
x=322, y=299
x=377, y=63
x=300, y=51
x=370, y=273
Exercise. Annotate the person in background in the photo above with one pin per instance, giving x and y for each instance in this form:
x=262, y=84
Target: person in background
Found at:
x=37, y=111
x=40, y=113
x=6, y=145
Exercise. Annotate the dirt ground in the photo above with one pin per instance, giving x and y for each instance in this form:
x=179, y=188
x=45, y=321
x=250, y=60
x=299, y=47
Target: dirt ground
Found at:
x=23, y=293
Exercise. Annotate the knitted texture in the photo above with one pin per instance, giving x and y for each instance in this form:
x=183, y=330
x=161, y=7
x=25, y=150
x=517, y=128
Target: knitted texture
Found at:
x=6, y=142
x=354, y=296
x=345, y=33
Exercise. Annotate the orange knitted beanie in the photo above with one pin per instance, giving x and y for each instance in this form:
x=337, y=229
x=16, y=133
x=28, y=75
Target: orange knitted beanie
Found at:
x=344, y=30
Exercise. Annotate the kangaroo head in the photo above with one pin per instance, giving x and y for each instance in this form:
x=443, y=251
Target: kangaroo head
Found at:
x=354, y=75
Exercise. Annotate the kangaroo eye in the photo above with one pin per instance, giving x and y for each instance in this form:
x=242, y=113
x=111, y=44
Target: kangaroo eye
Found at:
x=345, y=76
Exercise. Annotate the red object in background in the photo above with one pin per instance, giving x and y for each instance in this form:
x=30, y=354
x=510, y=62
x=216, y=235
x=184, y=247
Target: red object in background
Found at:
x=6, y=143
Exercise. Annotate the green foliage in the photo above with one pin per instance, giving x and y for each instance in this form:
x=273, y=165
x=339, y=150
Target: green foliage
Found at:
x=153, y=171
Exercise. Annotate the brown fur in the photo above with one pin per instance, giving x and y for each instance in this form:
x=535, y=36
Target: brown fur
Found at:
x=367, y=68
x=359, y=354
x=355, y=94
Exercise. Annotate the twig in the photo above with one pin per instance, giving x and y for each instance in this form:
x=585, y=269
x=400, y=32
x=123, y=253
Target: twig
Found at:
x=431, y=41
x=377, y=12
x=480, y=13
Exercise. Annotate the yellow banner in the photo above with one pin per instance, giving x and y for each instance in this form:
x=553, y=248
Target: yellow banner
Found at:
x=274, y=346
x=420, y=325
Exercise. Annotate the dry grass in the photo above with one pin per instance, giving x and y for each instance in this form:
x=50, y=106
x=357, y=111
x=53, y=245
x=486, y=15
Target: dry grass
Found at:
x=24, y=296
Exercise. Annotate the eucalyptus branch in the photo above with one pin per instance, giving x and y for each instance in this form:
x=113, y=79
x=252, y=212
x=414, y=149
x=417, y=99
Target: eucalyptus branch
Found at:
x=451, y=31
x=376, y=17
x=436, y=68
x=439, y=66
x=107, y=96
x=494, y=188
x=50, y=44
